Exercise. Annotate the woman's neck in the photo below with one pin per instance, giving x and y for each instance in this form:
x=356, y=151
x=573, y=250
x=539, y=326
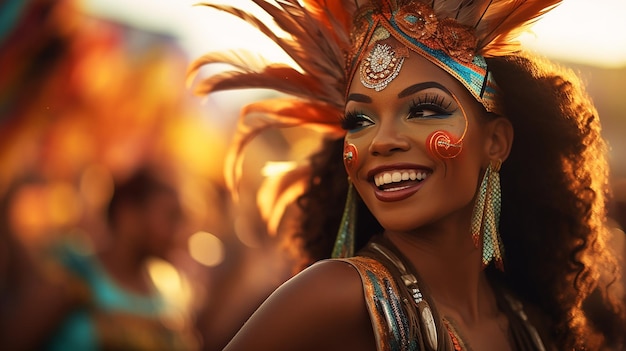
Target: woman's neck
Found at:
x=445, y=258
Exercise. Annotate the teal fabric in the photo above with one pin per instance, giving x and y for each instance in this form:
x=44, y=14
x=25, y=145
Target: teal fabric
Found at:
x=76, y=333
x=10, y=13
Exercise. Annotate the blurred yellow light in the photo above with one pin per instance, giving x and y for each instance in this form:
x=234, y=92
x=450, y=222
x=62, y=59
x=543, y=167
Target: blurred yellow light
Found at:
x=198, y=144
x=175, y=289
x=274, y=168
x=206, y=248
x=165, y=277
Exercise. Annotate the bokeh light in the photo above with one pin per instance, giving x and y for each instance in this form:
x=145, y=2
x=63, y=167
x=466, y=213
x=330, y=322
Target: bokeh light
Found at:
x=206, y=248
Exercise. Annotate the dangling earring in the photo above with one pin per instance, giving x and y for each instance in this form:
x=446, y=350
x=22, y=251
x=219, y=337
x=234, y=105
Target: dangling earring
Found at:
x=344, y=244
x=486, y=216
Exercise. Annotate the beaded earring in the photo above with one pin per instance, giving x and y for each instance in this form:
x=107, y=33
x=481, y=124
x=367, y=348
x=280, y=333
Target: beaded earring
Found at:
x=486, y=216
x=344, y=244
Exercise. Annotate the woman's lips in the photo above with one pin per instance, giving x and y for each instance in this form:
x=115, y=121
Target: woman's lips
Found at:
x=396, y=176
x=397, y=182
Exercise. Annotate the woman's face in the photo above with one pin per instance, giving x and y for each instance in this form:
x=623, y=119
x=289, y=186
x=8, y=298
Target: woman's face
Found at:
x=401, y=182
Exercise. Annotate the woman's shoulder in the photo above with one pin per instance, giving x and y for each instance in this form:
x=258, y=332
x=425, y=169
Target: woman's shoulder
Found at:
x=322, y=307
x=337, y=271
x=328, y=283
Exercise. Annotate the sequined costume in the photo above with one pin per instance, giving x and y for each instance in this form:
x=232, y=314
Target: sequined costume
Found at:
x=403, y=315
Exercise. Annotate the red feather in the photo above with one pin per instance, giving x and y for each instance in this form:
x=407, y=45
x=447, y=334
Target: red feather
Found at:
x=277, y=113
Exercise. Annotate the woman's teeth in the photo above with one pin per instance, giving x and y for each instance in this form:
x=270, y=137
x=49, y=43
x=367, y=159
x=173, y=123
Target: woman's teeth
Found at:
x=398, y=176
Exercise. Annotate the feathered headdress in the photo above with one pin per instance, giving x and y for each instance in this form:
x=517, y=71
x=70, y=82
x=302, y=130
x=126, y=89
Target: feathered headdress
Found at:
x=326, y=41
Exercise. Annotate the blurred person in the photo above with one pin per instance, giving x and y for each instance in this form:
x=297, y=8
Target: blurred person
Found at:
x=124, y=310
x=473, y=215
x=77, y=91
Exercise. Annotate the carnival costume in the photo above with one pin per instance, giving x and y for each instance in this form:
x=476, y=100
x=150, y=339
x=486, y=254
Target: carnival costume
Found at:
x=332, y=42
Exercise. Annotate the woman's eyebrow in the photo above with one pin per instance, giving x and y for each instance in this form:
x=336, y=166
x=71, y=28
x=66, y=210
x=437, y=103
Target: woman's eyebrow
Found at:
x=404, y=93
x=359, y=98
x=421, y=86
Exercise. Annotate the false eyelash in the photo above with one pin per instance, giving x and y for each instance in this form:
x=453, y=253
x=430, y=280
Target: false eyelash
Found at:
x=431, y=102
x=350, y=119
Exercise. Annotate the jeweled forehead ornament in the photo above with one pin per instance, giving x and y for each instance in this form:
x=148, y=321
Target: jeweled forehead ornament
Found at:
x=381, y=66
x=445, y=42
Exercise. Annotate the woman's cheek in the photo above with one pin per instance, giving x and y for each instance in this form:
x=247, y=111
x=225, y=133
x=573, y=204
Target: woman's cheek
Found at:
x=350, y=157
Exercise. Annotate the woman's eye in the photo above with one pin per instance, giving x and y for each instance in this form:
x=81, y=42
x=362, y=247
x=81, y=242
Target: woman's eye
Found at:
x=427, y=111
x=430, y=106
x=355, y=121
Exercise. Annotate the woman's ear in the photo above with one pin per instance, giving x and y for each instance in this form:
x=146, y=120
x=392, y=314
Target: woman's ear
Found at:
x=499, y=138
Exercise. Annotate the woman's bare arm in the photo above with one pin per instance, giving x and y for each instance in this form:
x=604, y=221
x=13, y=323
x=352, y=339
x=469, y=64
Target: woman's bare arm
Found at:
x=322, y=308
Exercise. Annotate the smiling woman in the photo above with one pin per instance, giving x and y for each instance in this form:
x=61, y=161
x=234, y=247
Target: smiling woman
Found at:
x=394, y=129
x=448, y=239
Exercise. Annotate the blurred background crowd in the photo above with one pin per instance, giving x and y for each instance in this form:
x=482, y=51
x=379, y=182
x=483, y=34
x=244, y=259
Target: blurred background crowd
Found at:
x=116, y=227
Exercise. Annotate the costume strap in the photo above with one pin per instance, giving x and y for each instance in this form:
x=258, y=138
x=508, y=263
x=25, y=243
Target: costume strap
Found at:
x=424, y=317
x=402, y=316
x=384, y=305
x=427, y=330
x=525, y=335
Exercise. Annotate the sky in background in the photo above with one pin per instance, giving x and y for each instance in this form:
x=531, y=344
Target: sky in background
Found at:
x=580, y=31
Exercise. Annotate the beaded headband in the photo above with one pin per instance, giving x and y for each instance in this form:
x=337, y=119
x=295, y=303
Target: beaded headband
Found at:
x=445, y=42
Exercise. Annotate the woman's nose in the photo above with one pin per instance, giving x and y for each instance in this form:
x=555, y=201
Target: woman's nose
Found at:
x=389, y=139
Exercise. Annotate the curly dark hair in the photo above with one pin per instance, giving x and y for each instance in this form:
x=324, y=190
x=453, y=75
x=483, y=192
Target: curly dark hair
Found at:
x=554, y=192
